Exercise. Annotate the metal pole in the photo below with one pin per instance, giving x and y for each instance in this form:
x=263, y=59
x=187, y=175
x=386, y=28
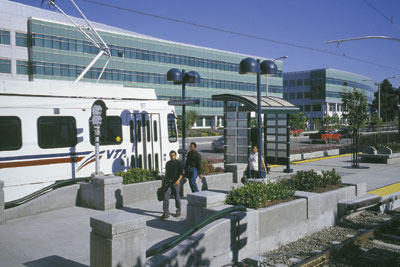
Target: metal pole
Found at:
x=96, y=151
x=379, y=101
x=260, y=169
x=266, y=86
x=183, y=117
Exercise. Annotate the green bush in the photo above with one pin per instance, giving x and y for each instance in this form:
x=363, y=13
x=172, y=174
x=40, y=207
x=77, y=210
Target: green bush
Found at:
x=256, y=195
x=311, y=181
x=138, y=175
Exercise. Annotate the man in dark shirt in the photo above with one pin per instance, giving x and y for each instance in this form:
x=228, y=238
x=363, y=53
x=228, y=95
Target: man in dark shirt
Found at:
x=193, y=167
x=173, y=177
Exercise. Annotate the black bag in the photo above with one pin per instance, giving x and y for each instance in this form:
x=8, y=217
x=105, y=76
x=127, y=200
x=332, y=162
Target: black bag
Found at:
x=160, y=193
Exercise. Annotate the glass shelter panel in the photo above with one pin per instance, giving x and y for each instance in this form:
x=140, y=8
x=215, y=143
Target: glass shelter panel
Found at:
x=236, y=136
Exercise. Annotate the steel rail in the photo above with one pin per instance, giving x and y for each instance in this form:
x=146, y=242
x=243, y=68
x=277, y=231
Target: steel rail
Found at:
x=183, y=236
x=36, y=194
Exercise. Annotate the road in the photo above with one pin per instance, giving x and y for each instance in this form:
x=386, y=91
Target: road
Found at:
x=297, y=143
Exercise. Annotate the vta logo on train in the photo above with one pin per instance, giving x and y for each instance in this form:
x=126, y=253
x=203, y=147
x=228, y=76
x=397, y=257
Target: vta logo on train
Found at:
x=110, y=154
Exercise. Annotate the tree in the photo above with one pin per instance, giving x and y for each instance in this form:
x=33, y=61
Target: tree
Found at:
x=191, y=117
x=355, y=108
x=389, y=99
x=297, y=121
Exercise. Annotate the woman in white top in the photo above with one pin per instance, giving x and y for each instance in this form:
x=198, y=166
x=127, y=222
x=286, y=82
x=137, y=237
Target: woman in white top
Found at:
x=253, y=163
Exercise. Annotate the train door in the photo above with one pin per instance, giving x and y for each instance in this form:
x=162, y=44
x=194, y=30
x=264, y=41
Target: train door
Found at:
x=154, y=142
x=138, y=160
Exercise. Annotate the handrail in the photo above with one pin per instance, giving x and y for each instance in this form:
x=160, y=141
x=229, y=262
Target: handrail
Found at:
x=183, y=236
x=20, y=201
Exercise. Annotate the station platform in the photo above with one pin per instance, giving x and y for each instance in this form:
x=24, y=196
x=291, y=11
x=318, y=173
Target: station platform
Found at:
x=62, y=237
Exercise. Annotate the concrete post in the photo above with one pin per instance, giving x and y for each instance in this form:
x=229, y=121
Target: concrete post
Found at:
x=118, y=238
x=102, y=193
x=237, y=169
x=2, y=215
x=199, y=204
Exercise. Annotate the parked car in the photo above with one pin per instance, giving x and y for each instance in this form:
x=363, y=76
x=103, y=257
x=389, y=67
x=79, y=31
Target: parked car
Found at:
x=218, y=145
x=345, y=132
x=326, y=136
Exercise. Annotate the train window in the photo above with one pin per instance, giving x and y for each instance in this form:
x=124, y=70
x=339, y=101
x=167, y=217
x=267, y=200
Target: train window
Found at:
x=148, y=130
x=172, y=136
x=155, y=131
x=156, y=161
x=110, y=131
x=140, y=162
x=131, y=130
x=139, y=131
x=56, y=131
x=10, y=133
x=149, y=160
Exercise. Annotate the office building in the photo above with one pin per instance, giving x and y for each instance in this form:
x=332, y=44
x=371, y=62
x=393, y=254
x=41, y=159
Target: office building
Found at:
x=42, y=44
x=317, y=92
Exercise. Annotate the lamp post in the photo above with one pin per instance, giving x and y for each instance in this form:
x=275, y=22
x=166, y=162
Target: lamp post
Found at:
x=267, y=67
x=266, y=78
x=183, y=77
x=379, y=92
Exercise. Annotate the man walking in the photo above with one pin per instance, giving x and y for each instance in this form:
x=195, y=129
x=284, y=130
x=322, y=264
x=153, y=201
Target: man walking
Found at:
x=173, y=177
x=193, y=167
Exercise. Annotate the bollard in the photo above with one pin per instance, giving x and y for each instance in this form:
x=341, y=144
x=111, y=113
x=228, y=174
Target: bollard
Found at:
x=102, y=193
x=118, y=238
x=2, y=215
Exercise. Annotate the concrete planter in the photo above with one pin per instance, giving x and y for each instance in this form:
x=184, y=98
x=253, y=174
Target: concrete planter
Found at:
x=381, y=158
x=316, y=154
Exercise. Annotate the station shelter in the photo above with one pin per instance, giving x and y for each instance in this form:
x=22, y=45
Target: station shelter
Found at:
x=239, y=136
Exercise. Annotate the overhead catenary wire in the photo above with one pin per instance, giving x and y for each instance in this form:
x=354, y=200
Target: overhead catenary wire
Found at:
x=241, y=34
x=380, y=12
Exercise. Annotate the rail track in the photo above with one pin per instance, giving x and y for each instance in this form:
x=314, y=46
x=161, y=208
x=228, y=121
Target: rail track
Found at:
x=365, y=238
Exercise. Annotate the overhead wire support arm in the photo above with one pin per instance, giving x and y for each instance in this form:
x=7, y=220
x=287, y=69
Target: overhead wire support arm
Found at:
x=95, y=39
x=362, y=38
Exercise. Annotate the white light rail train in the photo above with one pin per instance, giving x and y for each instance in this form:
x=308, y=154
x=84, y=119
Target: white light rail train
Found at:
x=46, y=135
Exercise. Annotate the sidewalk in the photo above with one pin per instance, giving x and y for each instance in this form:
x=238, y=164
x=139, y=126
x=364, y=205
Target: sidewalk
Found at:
x=62, y=237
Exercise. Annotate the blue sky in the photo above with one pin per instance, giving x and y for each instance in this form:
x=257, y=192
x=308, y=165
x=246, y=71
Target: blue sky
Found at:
x=303, y=22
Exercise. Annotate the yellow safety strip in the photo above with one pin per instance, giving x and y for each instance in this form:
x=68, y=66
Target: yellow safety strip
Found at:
x=386, y=190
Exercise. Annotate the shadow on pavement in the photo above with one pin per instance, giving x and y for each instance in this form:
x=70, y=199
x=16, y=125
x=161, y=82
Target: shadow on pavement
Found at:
x=54, y=260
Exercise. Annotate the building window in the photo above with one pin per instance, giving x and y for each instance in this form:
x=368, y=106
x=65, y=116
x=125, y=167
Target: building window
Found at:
x=332, y=107
x=10, y=133
x=285, y=83
x=5, y=65
x=300, y=108
x=208, y=122
x=292, y=96
x=21, y=39
x=316, y=107
x=284, y=95
x=4, y=37
x=307, y=108
x=339, y=107
x=307, y=95
x=22, y=67
x=110, y=131
x=300, y=95
x=300, y=82
x=307, y=82
x=292, y=83
x=56, y=131
x=172, y=136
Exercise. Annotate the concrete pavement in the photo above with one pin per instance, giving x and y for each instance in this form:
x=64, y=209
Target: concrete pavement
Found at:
x=61, y=237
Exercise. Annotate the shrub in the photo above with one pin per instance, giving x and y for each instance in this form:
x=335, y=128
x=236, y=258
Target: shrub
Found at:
x=256, y=195
x=311, y=181
x=208, y=168
x=138, y=175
